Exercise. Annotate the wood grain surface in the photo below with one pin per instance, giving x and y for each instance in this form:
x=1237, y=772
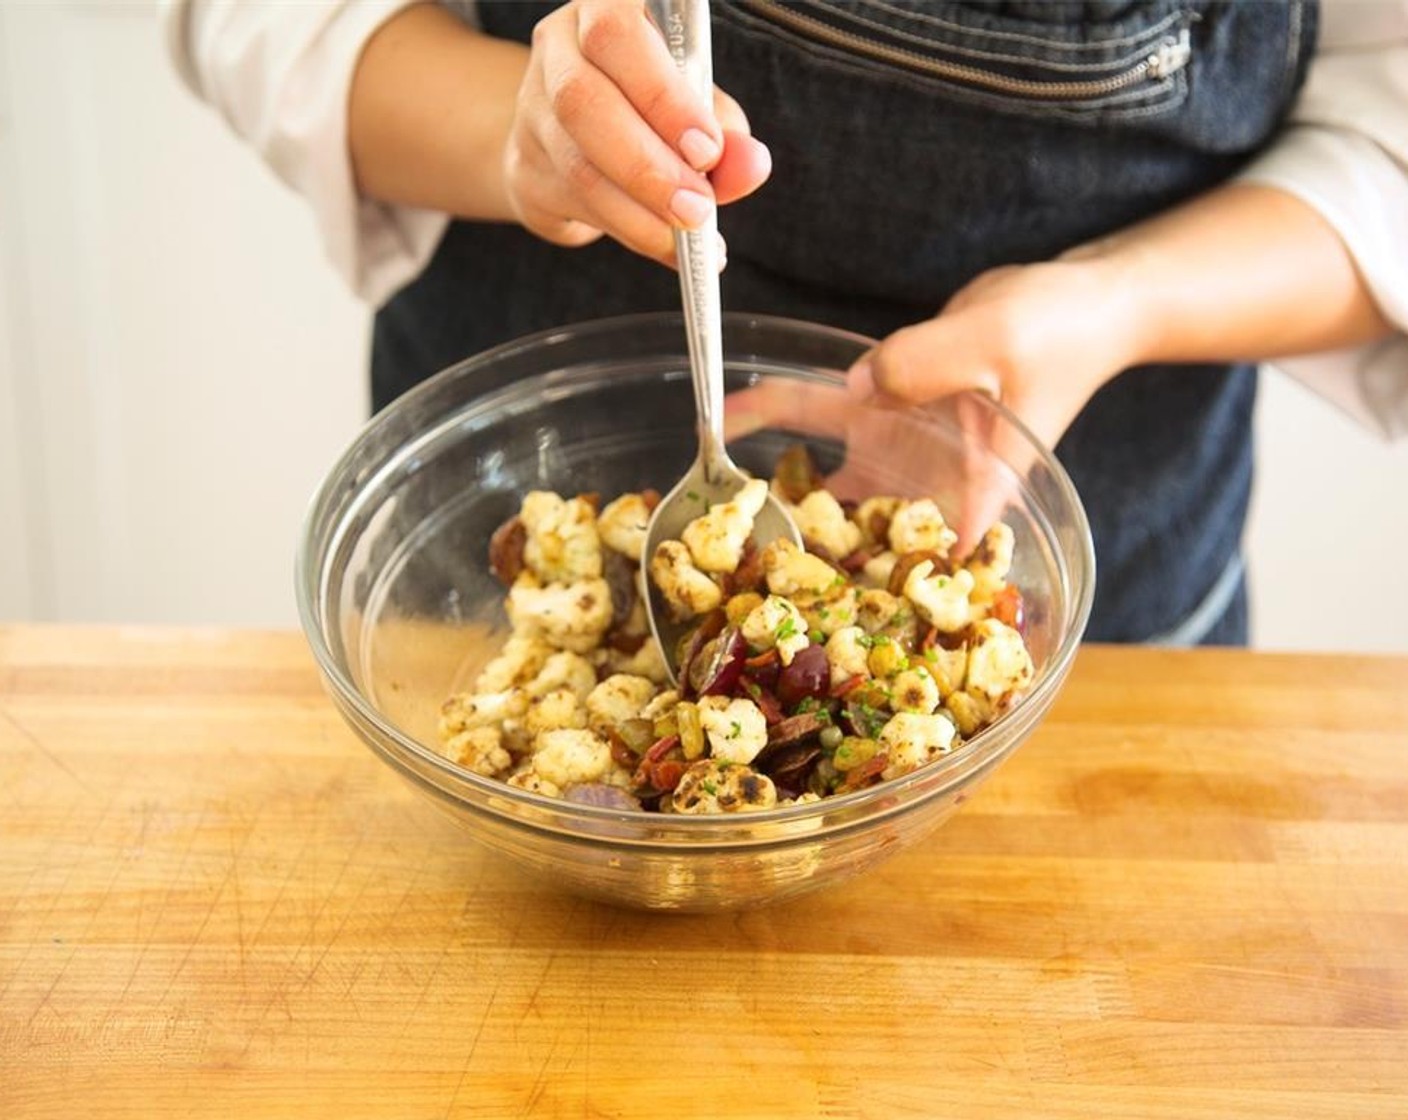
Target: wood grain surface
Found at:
x=1185, y=897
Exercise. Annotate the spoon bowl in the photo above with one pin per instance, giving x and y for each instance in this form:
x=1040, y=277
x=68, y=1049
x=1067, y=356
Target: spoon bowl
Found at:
x=705, y=485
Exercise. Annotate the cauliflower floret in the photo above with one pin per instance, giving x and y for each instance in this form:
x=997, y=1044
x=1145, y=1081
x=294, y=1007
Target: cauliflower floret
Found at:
x=479, y=750
x=822, y=521
x=647, y=661
x=942, y=601
x=517, y=740
x=911, y=740
x=688, y=590
x=525, y=777
x=620, y=777
x=715, y=539
x=991, y=561
x=567, y=757
x=736, y=729
x=555, y=710
x=638, y=620
x=791, y=571
x=847, y=651
x=562, y=545
x=998, y=662
x=914, y=690
x=622, y=525
x=873, y=517
x=465, y=710
x=662, y=703
x=920, y=527
x=776, y=622
x=878, y=568
x=711, y=786
x=563, y=669
x=630, y=647
x=616, y=699
x=830, y=612
x=516, y=664
x=876, y=609
x=569, y=616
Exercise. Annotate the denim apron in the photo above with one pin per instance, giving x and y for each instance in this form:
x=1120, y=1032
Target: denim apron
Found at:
x=915, y=146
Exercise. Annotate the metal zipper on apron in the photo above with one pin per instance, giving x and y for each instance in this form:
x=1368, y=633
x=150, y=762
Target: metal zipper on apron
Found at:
x=1170, y=56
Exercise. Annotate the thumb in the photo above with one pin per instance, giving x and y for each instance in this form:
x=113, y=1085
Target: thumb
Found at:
x=745, y=162
x=731, y=116
x=744, y=167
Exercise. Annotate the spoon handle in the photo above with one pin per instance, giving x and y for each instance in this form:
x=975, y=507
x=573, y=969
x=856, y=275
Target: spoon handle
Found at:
x=685, y=26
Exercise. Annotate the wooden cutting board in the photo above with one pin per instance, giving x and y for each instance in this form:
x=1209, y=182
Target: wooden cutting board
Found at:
x=1185, y=897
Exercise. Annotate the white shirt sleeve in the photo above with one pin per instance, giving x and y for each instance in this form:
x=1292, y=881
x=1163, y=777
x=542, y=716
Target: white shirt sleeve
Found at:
x=1345, y=153
x=280, y=74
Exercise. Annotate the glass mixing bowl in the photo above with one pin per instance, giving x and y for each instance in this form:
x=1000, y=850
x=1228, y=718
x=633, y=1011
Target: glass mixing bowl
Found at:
x=400, y=608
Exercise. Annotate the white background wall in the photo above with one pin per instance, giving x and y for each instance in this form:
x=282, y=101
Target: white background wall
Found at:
x=182, y=367
x=178, y=368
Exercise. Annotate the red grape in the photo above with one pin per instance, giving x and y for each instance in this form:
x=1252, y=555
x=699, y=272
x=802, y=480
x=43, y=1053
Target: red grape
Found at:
x=809, y=675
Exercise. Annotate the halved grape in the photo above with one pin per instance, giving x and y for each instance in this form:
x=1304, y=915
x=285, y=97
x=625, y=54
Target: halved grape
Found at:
x=716, y=668
x=809, y=675
x=692, y=644
x=790, y=767
x=599, y=793
x=620, y=576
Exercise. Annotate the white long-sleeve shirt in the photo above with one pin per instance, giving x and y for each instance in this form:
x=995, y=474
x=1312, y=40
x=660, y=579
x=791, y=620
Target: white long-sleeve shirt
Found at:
x=280, y=74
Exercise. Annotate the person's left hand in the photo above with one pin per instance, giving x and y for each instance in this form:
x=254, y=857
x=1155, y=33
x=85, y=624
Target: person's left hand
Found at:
x=1040, y=338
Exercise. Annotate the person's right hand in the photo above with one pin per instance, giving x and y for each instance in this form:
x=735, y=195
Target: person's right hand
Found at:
x=608, y=139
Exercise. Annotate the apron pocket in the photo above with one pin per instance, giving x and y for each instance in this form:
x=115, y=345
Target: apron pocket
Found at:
x=1088, y=71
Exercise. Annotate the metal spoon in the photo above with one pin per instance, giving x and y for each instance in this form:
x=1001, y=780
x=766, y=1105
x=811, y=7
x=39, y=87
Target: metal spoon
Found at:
x=714, y=477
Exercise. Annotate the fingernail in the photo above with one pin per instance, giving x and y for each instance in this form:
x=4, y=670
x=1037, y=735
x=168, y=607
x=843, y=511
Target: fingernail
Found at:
x=765, y=154
x=860, y=379
x=690, y=207
x=700, y=149
x=723, y=251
